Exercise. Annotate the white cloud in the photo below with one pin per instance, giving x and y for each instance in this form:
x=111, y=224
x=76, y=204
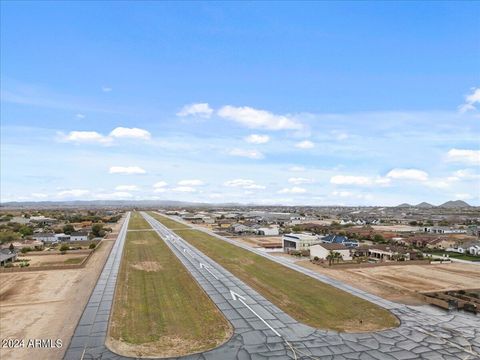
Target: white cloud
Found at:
x=408, y=174
x=470, y=101
x=297, y=168
x=200, y=109
x=73, y=193
x=184, y=189
x=359, y=180
x=350, y=180
x=244, y=184
x=465, y=174
x=342, y=193
x=194, y=182
x=118, y=195
x=80, y=116
x=39, y=195
x=293, y=190
x=463, y=196
x=85, y=137
x=106, y=89
x=340, y=135
x=258, y=119
x=160, y=184
x=464, y=156
x=306, y=144
x=128, y=170
x=160, y=190
x=127, y=188
x=252, y=154
x=133, y=133
x=299, y=180
x=95, y=137
x=257, y=139
x=349, y=194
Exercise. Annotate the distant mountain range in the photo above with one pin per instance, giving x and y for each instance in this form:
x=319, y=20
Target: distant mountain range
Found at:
x=449, y=204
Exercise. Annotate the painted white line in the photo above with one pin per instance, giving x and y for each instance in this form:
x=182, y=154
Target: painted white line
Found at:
x=240, y=298
x=203, y=266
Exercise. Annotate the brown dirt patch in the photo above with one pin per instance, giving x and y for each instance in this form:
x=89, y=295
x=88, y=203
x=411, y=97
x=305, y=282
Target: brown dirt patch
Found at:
x=402, y=283
x=46, y=304
x=147, y=266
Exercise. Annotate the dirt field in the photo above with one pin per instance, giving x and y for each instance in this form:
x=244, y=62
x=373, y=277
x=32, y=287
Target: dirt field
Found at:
x=257, y=241
x=49, y=260
x=400, y=283
x=46, y=304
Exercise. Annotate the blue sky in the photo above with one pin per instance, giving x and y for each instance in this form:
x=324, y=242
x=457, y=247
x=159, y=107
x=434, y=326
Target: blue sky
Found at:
x=294, y=103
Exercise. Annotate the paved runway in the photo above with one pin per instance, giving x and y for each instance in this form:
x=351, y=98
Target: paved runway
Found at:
x=263, y=331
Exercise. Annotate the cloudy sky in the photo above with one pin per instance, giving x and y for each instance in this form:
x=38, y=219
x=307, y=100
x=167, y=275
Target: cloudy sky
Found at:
x=268, y=103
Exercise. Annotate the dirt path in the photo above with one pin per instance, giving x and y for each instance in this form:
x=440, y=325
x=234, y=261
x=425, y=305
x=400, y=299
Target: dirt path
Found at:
x=46, y=305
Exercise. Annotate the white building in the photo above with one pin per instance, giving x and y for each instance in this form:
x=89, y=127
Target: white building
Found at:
x=79, y=236
x=268, y=231
x=62, y=237
x=322, y=250
x=444, y=230
x=44, y=237
x=300, y=241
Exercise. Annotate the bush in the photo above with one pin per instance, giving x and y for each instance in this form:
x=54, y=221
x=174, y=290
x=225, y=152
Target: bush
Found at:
x=25, y=250
x=64, y=248
x=8, y=265
x=92, y=246
x=316, y=258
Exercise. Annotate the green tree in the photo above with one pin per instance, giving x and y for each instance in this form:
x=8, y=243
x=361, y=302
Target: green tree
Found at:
x=68, y=229
x=64, y=248
x=331, y=257
x=26, y=230
x=378, y=238
x=97, y=230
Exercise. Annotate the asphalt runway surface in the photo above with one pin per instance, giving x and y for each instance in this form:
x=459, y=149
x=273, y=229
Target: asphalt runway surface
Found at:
x=263, y=331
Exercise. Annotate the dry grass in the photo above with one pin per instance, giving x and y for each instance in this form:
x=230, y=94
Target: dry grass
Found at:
x=304, y=298
x=153, y=302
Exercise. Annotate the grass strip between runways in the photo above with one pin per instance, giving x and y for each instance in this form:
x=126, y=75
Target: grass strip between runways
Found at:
x=159, y=308
x=306, y=299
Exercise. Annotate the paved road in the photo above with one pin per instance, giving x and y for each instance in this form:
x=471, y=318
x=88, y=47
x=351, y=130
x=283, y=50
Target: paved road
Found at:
x=263, y=331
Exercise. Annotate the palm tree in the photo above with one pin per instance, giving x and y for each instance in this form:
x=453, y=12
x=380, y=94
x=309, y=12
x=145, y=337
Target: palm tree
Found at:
x=331, y=257
x=338, y=256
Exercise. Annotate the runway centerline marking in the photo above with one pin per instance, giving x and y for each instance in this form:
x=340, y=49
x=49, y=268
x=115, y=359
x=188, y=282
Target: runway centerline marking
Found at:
x=203, y=266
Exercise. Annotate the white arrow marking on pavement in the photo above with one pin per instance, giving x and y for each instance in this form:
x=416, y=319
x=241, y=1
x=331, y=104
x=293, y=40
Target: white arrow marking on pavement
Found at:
x=240, y=298
x=203, y=266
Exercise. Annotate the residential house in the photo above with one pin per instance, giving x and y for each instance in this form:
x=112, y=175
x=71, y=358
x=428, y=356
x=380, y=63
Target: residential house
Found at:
x=322, y=250
x=384, y=252
x=79, y=236
x=441, y=243
x=44, y=237
x=444, y=230
x=62, y=237
x=268, y=231
x=7, y=256
x=242, y=229
x=339, y=239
